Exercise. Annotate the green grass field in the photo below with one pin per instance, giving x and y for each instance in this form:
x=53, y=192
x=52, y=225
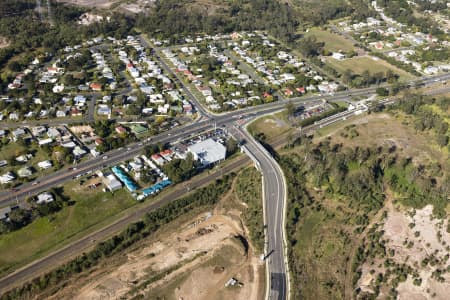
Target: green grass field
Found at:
x=360, y=64
x=272, y=126
x=333, y=42
x=46, y=234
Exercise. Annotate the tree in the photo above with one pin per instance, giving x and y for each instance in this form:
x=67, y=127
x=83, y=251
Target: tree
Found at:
x=366, y=77
x=347, y=76
x=382, y=92
x=14, y=66
x=442, y=140
x=310, y=47
x=232, y=146
x=290, y=108
x=19, y=218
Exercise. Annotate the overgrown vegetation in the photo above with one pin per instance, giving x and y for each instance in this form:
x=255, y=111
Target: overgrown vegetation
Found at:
x=170, y=19
x=311, y=120
x=334, y=191
x=49, y=283
x=249, y=190
x=429, y=115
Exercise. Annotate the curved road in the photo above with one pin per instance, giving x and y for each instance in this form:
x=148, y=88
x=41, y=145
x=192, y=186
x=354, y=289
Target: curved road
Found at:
x=274, y=197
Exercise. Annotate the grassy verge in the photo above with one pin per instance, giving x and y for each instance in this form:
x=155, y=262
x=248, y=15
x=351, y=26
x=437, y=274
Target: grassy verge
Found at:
x=249, y=190
x=271, y=126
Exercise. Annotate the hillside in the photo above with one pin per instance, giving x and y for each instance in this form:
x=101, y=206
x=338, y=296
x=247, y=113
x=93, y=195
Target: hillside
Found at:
x=368, y=210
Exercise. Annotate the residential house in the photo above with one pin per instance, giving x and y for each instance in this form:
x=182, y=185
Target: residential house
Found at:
x=121, y=130
x=24, y=172
x=45, y=198
x=44, y=165
x=7, y=178
x=96, y=87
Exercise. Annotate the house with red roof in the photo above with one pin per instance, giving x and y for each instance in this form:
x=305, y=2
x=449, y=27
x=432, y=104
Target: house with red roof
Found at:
x=120, y=130
x=301, y=90
x=97, y=87
x=288, y=92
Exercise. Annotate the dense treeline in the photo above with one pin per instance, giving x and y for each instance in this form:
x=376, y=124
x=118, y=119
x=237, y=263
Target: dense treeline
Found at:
x=399, y=64
x=401, y=11
x=366, y=78
x=171, y=18
x=21, y=26
x=152, y=221
x=425, y=117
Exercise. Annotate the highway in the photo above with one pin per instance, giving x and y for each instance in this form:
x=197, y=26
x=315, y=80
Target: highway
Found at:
x=274, y=197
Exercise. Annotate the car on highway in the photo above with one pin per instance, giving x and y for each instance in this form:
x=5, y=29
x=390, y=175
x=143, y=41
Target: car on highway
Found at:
x=140, y=144
x=34, y=183
x=105, y=157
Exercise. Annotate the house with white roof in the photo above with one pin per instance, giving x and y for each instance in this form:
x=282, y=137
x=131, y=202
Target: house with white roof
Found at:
x=44, y=165
x=7, y=178
x=45, y=198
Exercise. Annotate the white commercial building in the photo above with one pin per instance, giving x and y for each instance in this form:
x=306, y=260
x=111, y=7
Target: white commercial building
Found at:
x=208, y=151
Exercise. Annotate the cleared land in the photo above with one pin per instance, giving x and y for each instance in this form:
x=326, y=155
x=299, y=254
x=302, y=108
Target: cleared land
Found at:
x=191, y=258
x=333, y=42
x=360, y=64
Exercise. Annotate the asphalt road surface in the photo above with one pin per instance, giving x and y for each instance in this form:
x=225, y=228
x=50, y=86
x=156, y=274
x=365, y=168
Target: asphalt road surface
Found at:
x=274, y=200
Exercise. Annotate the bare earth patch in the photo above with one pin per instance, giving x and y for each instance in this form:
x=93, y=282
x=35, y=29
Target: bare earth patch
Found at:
x=415, y=237
x=202, y=253
x=3, y=42
x=91, y=3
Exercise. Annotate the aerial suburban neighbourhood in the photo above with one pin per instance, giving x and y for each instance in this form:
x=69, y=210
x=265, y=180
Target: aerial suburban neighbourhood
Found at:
x=206, y=149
